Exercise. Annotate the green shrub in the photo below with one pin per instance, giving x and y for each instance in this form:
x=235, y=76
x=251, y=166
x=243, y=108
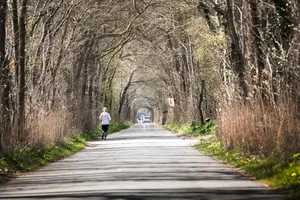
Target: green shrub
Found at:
x=194, y=128
x=92, y=135
x=115, y=127
x=206, y=129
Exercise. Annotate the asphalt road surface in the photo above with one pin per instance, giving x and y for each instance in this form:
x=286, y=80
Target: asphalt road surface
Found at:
x=140, y=163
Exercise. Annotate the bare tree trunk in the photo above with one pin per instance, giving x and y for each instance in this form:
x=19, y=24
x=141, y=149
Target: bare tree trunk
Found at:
x=16, y=30
x=200, y=102
x=91, y=100
x=124, y=93
x=21, y=121
x=4, y=80
x=257, y=48
x=109, y=88
x=84, y=83
x=238, y=61
x=16, y=37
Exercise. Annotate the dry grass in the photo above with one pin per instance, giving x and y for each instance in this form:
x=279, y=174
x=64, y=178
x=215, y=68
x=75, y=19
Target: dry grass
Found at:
x=51, y=128
x=261, y=130
x=45, y=127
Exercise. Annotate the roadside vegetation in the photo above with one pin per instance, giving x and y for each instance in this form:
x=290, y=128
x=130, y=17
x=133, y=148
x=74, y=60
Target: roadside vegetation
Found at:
x=30, y=158
x=115, y=127
x=278, y=172
x=193, y=128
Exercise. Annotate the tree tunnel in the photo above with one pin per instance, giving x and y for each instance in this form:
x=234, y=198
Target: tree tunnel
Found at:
x=142, y=107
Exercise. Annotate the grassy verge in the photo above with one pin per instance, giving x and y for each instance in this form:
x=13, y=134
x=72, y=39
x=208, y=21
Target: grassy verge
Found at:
x=281, y=174
x=278, y=173
x=29, y=159
x=193, y=128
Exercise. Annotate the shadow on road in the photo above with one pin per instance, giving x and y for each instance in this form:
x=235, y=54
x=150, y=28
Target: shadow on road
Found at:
x=192, y=194
x=135, y=165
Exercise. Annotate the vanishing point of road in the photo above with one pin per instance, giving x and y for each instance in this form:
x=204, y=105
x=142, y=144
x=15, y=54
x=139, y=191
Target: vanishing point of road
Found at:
x=140, y=163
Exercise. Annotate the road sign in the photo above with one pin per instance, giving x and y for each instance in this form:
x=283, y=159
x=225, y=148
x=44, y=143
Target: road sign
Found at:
x=171, y=102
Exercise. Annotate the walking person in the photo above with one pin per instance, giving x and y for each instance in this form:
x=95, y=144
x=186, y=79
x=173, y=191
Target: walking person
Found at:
x=105, y=119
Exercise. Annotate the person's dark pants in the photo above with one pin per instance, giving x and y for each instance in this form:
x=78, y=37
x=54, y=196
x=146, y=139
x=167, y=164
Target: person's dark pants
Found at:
x=104, y=130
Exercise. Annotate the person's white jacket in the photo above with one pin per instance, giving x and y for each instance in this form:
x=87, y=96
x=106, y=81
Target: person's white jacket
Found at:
x=105, y=118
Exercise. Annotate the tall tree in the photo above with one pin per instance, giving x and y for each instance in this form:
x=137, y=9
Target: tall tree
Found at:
x=16, y=37
x=22, y=86
x=5, y=87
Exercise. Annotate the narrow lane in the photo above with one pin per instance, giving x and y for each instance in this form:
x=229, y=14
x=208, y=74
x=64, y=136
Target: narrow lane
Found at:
x=140, y=163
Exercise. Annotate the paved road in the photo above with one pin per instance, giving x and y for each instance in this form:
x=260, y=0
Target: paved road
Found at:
x=140, y=163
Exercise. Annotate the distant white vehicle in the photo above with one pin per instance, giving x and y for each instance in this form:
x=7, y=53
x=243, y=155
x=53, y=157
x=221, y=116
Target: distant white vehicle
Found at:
x=146, y=119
